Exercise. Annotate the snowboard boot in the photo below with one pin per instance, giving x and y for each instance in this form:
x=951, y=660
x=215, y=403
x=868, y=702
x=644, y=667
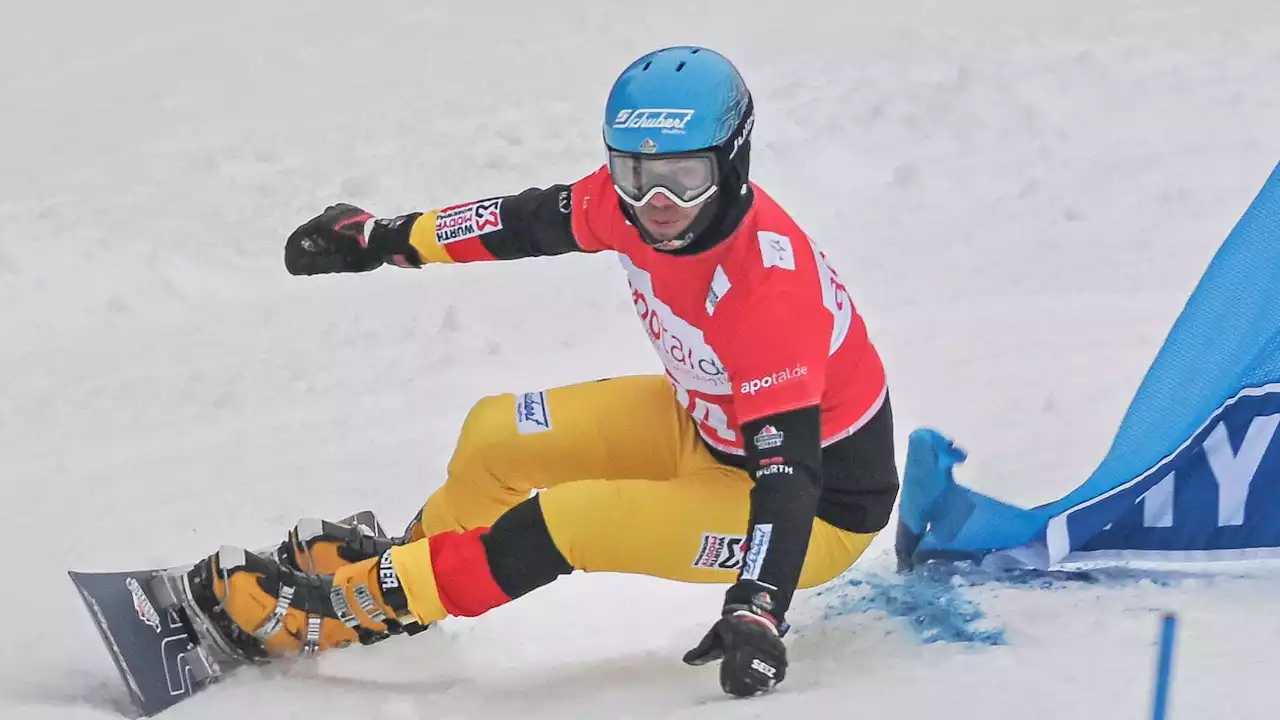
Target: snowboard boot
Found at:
x=321, y=547
x=265, y=609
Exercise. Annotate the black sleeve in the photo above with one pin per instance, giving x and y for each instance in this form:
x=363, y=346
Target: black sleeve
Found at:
x=535, y=223
x=784, y=456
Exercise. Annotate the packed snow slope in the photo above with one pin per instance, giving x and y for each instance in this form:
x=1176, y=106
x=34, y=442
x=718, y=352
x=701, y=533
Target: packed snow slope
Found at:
x=1020, y=195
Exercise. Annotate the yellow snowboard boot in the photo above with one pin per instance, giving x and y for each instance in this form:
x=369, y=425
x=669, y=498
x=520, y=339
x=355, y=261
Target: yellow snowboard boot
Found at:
x=266, y=609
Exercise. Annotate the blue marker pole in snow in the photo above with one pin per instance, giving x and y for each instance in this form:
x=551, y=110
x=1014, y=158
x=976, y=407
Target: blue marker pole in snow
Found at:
x=1164, y=666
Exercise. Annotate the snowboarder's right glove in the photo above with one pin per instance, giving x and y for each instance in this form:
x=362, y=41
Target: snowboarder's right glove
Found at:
x=345, y=238
x=747, y=642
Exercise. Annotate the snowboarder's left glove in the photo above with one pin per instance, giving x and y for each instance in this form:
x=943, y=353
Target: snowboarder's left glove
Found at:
x=747, y=640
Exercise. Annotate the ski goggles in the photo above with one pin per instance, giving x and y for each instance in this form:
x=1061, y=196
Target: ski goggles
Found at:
x=686, y=179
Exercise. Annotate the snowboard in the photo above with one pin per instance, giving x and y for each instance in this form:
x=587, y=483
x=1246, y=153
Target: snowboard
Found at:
x=164, y=647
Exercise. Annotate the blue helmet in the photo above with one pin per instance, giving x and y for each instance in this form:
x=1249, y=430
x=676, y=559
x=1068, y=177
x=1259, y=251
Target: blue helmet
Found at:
x=681, y=100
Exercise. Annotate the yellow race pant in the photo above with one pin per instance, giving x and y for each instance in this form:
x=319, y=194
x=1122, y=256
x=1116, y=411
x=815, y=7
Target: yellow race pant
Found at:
x=627, y=486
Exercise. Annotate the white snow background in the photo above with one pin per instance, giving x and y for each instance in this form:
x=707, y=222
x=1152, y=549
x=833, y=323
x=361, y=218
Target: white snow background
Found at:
x=1020, y=194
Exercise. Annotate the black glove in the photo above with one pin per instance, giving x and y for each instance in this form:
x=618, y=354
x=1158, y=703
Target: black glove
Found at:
x=748, y=642
x=332, y=242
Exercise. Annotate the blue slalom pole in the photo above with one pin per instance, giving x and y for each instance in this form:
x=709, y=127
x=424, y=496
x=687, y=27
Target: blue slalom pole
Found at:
x=1164, y=667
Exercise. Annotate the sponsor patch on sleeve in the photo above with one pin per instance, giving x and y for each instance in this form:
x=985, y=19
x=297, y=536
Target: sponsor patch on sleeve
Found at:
x=467, y=221
x=769, y=437
x=775, y=470
x=532, y=413
x=756, y=552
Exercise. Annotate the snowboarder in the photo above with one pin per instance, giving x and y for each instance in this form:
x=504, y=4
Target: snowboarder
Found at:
x=763, y=459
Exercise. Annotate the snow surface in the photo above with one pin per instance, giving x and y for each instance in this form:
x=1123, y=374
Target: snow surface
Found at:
x=1020, y=195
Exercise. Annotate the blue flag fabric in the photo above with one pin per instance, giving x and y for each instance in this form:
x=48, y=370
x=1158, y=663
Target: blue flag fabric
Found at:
x=1191, y=472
